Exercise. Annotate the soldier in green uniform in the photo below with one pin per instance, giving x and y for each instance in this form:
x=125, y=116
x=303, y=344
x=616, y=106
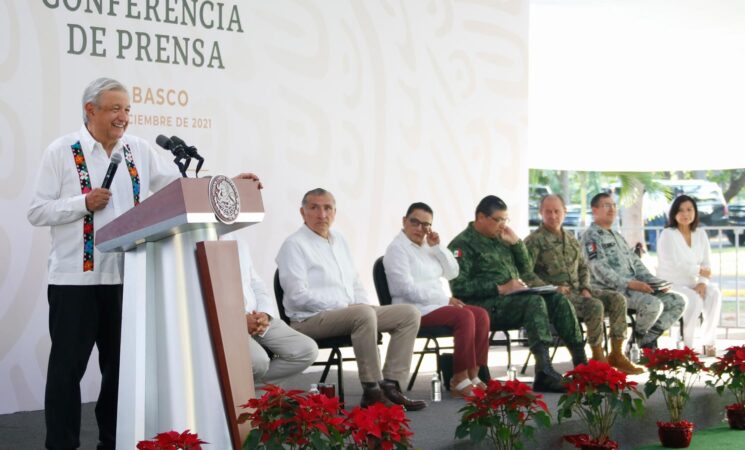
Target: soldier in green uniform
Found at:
x=492, y=260
x=557, y=259
x=614, y=265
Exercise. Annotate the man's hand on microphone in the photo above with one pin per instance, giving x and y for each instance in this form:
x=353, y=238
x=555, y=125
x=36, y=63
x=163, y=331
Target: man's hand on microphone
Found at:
x=97, y=199
x=249, y=176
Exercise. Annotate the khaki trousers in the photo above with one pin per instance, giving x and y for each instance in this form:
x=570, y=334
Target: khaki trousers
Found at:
x=363, y=322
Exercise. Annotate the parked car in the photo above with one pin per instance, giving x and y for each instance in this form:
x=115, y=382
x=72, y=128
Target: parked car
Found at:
x=535, y=193
x=712, y=208
x=736, y=218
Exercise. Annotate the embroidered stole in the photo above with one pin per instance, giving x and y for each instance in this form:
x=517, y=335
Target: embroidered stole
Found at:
x=85, y=188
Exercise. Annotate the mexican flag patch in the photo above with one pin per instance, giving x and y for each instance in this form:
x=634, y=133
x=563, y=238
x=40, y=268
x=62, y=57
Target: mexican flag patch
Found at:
x=457, y=253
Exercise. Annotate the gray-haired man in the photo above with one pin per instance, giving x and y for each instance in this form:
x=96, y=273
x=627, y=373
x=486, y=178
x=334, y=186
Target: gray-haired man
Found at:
x=324, y=297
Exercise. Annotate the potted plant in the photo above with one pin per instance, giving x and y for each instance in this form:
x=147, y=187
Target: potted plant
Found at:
x=293, y=419
x=673, y=371
x=729, y=373
x=502, y=413
x=598, y=393
x=296, y=420
x=379, y=427
x=172, y=440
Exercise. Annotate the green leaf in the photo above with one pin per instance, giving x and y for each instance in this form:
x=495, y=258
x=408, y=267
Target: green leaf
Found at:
x=252, y=441
x=543, y=419
x=477, y=433
x=462, y=430
x=649, y=389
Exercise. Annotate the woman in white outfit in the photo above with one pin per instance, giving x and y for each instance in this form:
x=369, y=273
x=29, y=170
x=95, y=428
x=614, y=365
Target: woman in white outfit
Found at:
x=684, y=259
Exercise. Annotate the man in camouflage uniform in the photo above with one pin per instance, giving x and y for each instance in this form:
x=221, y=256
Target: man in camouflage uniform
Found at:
x=557, y=259
x=614, y=265
x=492, y=260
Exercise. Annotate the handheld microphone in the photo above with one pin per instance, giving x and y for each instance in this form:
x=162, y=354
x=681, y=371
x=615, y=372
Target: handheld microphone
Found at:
x=116, y=158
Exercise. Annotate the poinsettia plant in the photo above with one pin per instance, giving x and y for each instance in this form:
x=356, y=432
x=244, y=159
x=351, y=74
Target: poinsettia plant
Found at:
x=173, y=440
x=502, y=413
x=282, y=419
x=379, y=427
x=673, y=371
x=598, y=394
x=296, y=420
x=729, y=373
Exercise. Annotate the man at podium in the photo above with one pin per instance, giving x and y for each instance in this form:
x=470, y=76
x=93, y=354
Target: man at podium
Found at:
x=85, y=285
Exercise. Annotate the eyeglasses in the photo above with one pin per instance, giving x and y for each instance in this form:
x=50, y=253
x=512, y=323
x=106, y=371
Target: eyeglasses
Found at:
x=500, y=220
x=416, y=223
x=608, y=206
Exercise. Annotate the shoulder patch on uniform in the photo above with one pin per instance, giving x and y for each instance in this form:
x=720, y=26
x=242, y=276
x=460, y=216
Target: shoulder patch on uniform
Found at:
x=592, y=250
x=457, y=253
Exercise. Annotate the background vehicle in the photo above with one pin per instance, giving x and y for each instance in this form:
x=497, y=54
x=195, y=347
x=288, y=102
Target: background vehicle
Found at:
x=736, y=218
x=712, y=208
x=535, y=194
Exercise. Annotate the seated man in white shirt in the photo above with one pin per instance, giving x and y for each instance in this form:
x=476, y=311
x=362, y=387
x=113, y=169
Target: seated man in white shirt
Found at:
x=293, y=351
x=323, y=297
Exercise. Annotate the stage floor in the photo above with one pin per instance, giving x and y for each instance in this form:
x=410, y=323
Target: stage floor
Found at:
x=434, y=427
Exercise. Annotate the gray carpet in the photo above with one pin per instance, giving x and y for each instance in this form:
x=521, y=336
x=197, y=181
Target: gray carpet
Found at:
x=433, y=427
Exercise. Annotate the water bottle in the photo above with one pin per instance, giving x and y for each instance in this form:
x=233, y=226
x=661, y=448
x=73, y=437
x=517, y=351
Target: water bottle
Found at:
x=436, y=388
x=511, y=373
x=634, y=354
x=313, y=389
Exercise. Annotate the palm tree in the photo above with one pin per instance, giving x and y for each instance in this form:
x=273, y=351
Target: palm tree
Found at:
x=632, y=186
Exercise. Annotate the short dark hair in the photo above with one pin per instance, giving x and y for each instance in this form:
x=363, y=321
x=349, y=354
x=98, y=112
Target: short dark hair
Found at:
x=672, y=222
x=489, y=204
x=596, y=199
x=546, y=197
x=419, y=205
x=316, y=193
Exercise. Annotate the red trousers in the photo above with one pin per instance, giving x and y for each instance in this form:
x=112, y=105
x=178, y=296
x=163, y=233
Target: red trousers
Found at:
x=470, y=326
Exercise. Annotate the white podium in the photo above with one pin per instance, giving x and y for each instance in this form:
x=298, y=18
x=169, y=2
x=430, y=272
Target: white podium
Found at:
x=184, y=351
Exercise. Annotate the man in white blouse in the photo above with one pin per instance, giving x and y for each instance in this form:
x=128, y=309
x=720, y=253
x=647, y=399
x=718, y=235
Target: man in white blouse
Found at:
x=323, y=297
x=85, y=286
x=293, y=351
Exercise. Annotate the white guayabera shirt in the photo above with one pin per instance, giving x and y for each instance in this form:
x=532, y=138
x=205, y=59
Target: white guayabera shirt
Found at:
x=59, y=203
x=317, y=274
x=414, y=273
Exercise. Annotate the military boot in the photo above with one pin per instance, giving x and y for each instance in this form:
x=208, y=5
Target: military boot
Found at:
x=546, y=378
x=649, y=340
x=617, y=359
x=598, y=354
x=578, y=353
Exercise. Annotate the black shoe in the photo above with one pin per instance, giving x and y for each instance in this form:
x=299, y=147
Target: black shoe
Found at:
x=546, y=378
x=393, y=392
x=373, y=395
x=546, y=382
x=578, y=354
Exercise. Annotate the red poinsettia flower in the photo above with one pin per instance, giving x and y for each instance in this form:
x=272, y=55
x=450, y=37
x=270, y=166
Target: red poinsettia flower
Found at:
x=729, y=373
x=173, y=440
x=598, y=393
x=505, y=410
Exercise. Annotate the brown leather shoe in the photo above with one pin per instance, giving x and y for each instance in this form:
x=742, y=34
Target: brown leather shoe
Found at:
x=373, y=395
x=393, y=392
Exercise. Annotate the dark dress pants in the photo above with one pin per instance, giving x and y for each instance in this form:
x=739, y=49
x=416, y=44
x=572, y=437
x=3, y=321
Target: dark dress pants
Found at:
x=79, y=317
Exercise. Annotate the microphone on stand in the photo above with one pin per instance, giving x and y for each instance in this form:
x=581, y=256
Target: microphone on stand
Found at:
x=191, y=151
x=116, y=158
x=177, y=150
